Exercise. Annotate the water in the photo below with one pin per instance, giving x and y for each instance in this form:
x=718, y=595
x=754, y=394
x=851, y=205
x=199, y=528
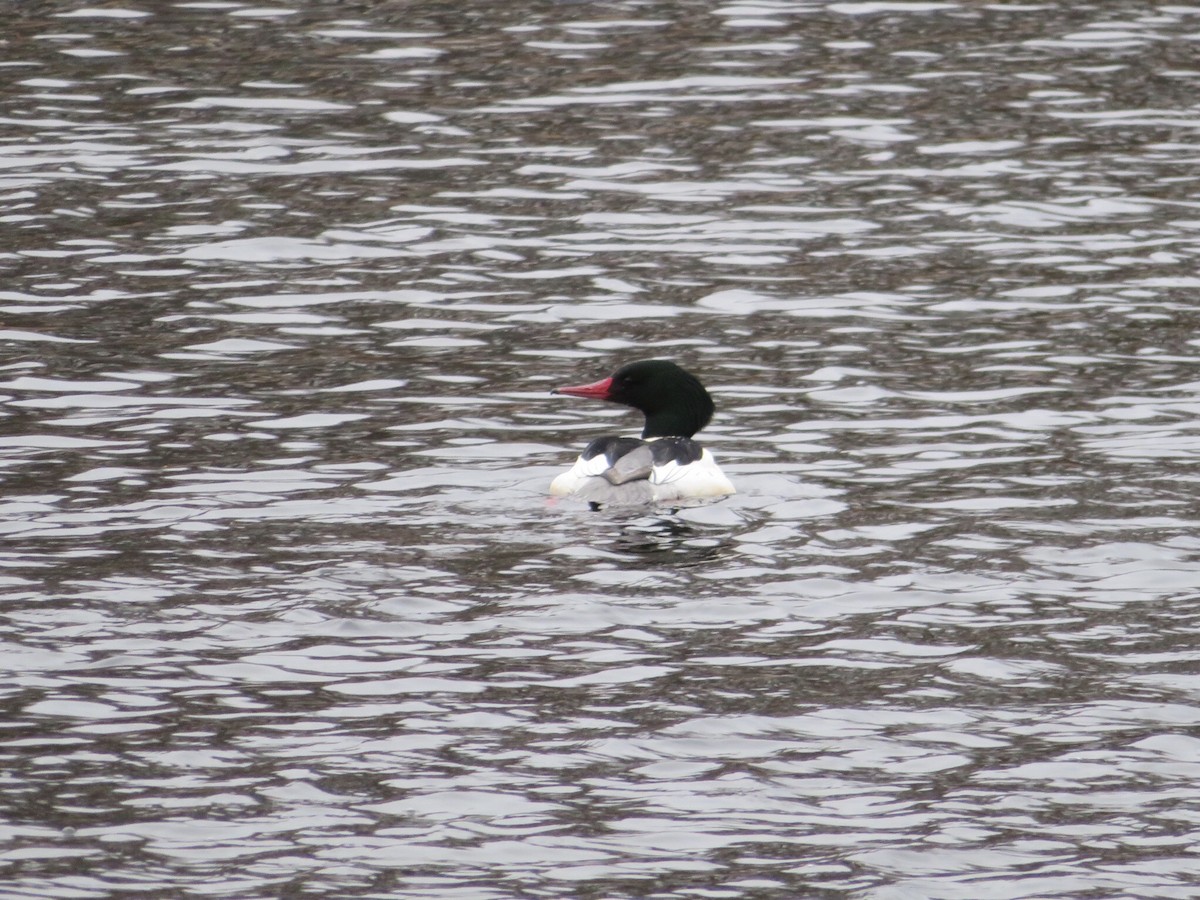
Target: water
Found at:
x=286, y=611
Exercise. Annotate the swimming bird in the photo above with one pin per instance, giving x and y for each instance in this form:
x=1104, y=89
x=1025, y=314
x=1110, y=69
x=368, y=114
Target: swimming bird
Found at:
x=665, y=463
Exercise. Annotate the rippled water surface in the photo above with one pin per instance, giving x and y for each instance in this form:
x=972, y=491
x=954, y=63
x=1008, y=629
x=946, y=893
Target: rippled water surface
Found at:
x=285, y=609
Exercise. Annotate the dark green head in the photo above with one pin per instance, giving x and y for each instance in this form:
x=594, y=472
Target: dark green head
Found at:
x=674, y=401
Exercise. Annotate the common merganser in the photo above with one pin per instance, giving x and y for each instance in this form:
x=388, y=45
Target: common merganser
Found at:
x=665, y=464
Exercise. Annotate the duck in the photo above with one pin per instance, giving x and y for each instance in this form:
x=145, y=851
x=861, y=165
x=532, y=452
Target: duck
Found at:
x=664, y=464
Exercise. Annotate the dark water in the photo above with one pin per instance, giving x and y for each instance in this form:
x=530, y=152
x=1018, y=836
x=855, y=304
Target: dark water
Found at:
x=285, y=609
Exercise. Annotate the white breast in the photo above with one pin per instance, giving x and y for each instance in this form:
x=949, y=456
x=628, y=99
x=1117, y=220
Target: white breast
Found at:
x=670, y=481
x=696, y=480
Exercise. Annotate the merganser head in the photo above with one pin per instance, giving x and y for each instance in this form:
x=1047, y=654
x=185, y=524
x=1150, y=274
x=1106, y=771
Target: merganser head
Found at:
x=674, y=401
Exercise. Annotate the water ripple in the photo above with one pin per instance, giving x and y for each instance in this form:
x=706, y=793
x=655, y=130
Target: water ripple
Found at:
x=284, y=605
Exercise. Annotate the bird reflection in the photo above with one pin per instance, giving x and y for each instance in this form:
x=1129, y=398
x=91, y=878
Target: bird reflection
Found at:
x=665, y=535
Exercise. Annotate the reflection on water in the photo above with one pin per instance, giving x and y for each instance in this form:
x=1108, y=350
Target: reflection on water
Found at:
x=286, y=609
